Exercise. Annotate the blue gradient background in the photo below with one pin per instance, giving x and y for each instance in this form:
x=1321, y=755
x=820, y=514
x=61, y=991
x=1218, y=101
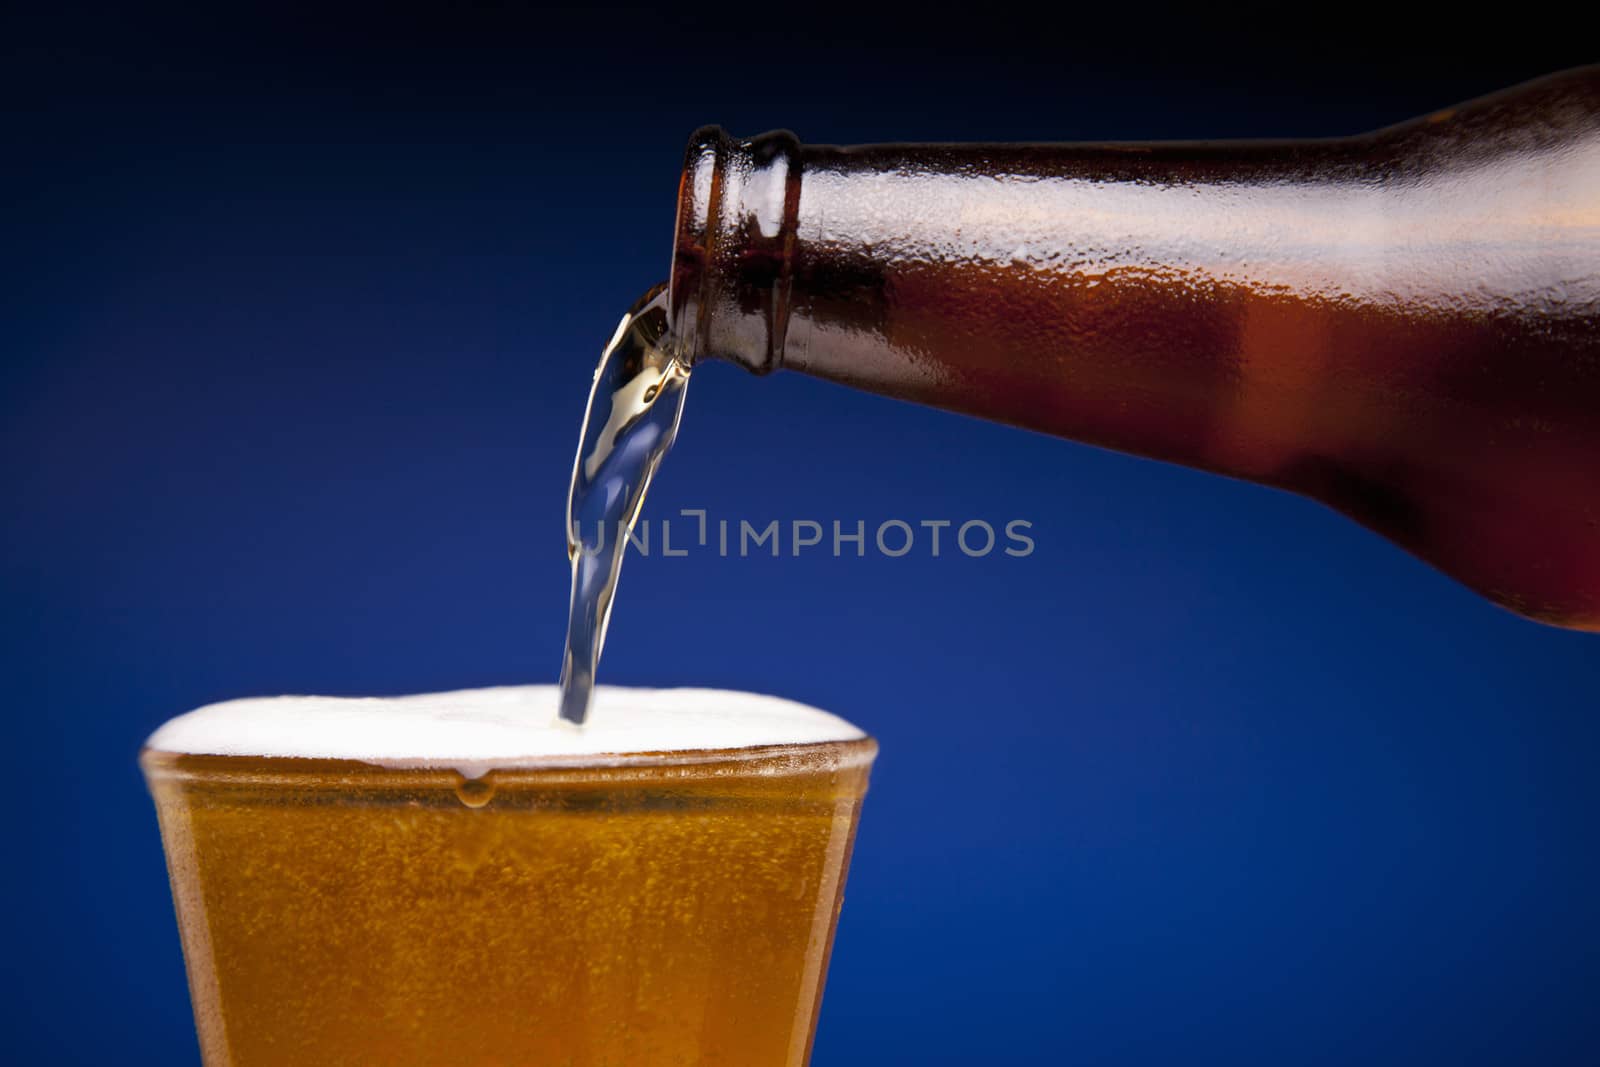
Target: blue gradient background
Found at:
x=302, y=309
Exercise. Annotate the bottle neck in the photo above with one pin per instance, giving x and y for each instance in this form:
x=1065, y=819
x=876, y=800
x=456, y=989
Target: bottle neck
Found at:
x=876, y=264
x=1116, y=292
x=846, y=262
x=734, y=252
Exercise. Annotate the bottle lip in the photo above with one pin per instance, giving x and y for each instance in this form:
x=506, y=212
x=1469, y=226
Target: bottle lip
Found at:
x=738, y=205
x=693, y=234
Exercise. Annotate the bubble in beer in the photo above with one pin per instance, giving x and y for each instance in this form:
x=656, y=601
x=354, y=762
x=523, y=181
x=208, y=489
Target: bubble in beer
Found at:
x=475, y=792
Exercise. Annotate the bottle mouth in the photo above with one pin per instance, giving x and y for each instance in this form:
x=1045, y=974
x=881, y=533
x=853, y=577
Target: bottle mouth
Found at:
x=733, y=248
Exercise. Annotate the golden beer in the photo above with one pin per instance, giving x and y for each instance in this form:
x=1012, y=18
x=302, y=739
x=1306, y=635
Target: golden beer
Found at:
x=633, y=908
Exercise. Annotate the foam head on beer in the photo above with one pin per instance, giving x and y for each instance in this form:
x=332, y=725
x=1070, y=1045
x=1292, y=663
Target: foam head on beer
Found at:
x=476, y=730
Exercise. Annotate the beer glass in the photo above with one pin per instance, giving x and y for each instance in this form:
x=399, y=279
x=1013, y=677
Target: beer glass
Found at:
x=637, y=907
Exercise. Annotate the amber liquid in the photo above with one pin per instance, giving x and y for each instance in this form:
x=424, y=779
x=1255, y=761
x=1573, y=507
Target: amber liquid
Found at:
x=672, y=910
x=628, y=428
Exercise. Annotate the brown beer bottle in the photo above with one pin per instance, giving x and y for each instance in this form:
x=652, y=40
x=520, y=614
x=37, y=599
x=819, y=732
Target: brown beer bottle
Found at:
x=1404, y=325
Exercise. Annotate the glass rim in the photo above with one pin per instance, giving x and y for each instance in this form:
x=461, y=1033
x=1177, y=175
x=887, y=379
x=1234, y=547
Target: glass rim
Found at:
x=764, y=761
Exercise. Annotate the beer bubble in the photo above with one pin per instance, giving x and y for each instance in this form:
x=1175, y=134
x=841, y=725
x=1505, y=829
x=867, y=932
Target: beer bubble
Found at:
x=475, y=792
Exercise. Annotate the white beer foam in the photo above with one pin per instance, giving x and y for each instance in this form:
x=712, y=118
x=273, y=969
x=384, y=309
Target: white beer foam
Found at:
x=475, y=730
